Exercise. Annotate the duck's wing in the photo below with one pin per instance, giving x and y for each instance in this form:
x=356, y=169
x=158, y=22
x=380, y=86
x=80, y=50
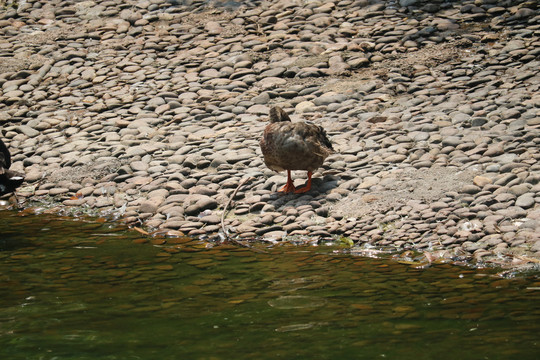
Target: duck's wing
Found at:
x=325, y=141
x=317, y=138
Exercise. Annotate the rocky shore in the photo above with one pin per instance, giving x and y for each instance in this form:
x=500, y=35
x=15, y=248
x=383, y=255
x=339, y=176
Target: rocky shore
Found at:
x=151, y=111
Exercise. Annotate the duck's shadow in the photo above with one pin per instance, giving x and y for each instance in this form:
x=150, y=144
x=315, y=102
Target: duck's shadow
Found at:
x=320, y=188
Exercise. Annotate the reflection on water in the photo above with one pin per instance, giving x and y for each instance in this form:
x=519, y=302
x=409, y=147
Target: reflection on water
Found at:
x=92, y=290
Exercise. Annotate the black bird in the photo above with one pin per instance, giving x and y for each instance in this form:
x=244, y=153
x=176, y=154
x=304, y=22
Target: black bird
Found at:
x=9, y=179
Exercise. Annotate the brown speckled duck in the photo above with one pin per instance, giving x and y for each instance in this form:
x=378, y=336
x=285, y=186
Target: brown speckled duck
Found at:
x=293, y=146
x=9, y=179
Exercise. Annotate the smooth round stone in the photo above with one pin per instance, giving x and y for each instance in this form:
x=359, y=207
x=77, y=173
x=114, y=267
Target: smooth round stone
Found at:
x=363, y=62
x=14, y=94
x=482, y=181
x=271, y=82
x=478, y=121
x=258, y=109
x=148, y=207
x=305, y=106
x=74, y=202
x=422, y=164
x=156, y=169
x=211, y=219
x=419, y=136
x=138, y=165
x=395, y=158
x=263, y=98
x=520, y=189
x=525, y=201
x=513, y=212
x=329, y=98
x=438, y=205
x=196, y=203
x=58, y=191
x=453, y=141
x=505, y=197
x=470, y=189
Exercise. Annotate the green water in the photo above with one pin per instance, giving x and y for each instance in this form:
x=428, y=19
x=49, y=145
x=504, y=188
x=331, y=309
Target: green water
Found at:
x=87, y=290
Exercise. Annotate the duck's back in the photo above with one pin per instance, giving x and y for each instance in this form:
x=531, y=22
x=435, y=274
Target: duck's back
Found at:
x=295, y=146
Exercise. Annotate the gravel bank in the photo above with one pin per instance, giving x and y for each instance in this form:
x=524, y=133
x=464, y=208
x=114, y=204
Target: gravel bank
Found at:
x=151, y=111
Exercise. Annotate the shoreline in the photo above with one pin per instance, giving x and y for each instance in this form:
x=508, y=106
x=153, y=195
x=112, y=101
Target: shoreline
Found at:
x=152, y=113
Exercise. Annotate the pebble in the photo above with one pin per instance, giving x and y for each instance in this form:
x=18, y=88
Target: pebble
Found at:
x=525, y=201
x=154, y=110
x=481, y=181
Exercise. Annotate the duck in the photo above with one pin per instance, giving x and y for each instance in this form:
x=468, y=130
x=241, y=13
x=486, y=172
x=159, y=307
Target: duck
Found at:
x=293, y=146
x=9, y=179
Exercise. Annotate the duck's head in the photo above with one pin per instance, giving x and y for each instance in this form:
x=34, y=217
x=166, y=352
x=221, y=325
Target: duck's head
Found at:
x=277, y=114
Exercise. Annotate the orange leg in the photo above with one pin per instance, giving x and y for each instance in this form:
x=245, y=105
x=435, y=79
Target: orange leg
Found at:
x=289, y=186
x=308, y=185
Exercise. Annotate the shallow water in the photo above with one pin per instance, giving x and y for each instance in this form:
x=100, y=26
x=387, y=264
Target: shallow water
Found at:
x=93, y=290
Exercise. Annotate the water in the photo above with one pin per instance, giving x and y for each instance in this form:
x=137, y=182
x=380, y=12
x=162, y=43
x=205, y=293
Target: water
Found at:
x=92, y=290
